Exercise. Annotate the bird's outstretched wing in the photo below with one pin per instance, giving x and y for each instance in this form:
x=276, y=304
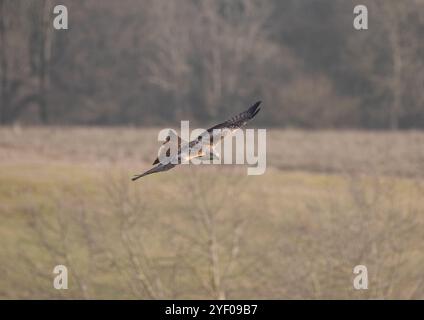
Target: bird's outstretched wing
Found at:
x=160, y=167
x=239, y=120
x=231, y=125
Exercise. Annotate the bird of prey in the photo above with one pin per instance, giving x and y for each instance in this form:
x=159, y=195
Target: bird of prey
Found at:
x=203, y=145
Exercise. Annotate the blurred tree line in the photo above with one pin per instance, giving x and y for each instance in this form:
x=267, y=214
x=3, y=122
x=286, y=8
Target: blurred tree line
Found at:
x=153, y=62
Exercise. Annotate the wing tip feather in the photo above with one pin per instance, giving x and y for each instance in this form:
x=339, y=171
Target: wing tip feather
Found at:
x=255, y=108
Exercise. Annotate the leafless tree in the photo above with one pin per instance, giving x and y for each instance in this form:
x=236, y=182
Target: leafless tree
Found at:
x=45, y=47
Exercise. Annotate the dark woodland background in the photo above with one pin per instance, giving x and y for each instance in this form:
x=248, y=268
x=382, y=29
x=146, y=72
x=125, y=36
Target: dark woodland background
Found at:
x=152, y=62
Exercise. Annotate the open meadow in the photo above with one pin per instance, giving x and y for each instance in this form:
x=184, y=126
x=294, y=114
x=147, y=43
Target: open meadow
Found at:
x=328, y=201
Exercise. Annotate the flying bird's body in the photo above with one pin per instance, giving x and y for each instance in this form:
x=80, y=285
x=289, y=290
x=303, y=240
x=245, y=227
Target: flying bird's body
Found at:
x=203, y=145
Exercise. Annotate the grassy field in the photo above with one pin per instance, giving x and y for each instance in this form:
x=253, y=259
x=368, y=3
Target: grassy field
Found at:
x=328, y=201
